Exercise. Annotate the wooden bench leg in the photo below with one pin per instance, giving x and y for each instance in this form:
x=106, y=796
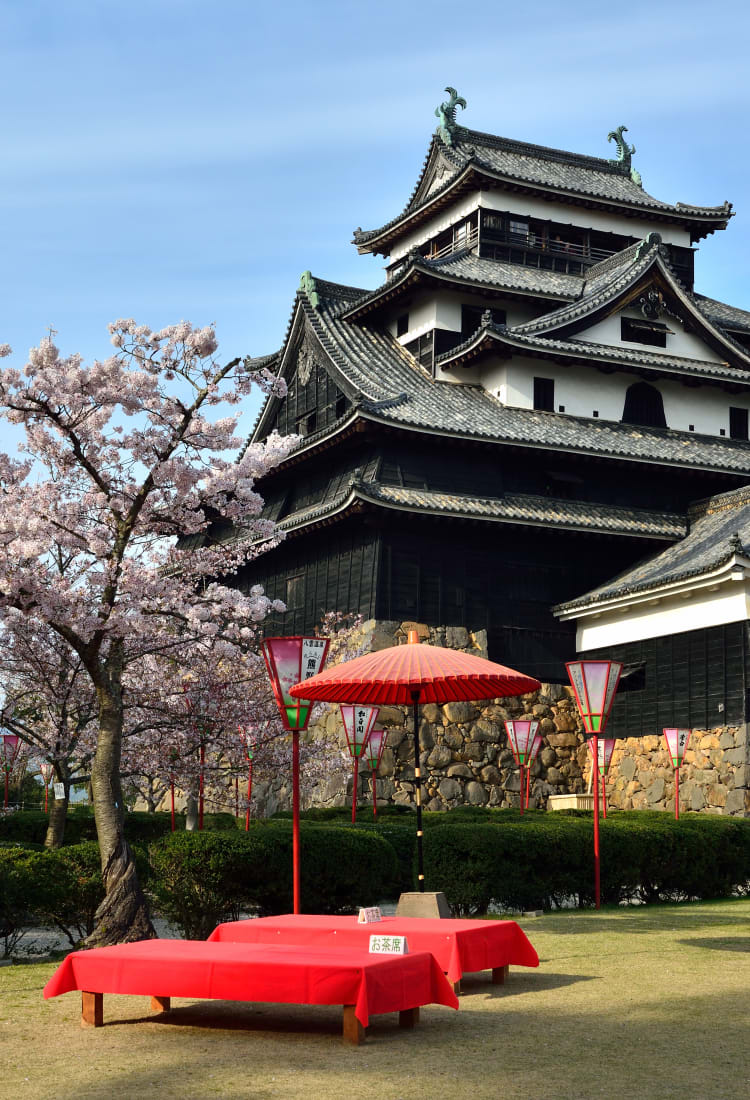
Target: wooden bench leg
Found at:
x=92, y=1009
x=457, y=987
x=161, y=1004
x=499, y=974
x=408, y=1017
x=353, y=1030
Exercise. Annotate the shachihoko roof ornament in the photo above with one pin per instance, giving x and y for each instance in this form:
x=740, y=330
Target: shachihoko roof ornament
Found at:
x=307, y=284
x=624, y=153
x=446, y=112
x=653, y=240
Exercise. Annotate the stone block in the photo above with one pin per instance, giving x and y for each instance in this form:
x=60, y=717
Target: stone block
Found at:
x=565, y=722
x=449, y=789
x=459, y=711
x=421, y=628
x=395, y=737
x=431, y=712
x=436, y=805
x=428, y=904
x=697, y=799
x=705, y=777
x=484, y=730
x=655, y=793
x=716, y=795
x=490, y=774
x=462, y=770
x=383, y=634
x=475, y=794
x=548, y=757
x=456, y=637
x=736, y=802
x=727, y=740
x=562, y=740
x=439, y=757
x=453, y=737
x=554, y=777
x=387, y=761
x=426, y=735
x=390, y=716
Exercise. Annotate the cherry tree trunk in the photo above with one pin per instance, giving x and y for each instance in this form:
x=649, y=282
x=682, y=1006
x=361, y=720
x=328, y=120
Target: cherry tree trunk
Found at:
x=58, y=810
x=123, y=915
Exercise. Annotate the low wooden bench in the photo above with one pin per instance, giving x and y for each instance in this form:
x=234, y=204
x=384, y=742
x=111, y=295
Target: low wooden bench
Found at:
x=363, y=984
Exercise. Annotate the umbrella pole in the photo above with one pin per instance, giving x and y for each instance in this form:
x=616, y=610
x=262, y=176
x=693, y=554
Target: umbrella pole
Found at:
x=418, y=791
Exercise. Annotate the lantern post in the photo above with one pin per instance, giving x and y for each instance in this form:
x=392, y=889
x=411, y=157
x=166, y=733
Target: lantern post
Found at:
x=594, y=684
x=606, y=746
x=289, y=661
x=374, y=751
x=358, y=721
x=536, y=744
x=677, y=742
x=11, y=745
x=521, y=735
x=46, y=771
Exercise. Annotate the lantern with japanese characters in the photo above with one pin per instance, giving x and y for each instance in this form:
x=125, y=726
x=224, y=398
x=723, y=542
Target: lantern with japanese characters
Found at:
x=605, y=748
x=522, y=734
x=373, y=752
x=594, y=684
x=358, y=722
x=290, y=661
x=677, y=742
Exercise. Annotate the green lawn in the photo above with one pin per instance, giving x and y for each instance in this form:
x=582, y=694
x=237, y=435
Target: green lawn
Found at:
x=641, y=1003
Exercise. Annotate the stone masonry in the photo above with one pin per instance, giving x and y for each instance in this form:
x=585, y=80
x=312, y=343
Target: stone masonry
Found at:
x=466, y=759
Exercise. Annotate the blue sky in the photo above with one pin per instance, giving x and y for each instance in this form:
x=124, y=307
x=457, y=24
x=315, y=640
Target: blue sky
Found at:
x=174, y=159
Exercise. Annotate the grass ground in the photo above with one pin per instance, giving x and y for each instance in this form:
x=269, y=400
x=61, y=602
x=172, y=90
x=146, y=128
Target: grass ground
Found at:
x=648, y=1003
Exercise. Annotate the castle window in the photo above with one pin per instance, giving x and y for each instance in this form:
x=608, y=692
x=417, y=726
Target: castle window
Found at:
x=295, y=592
x=737, y=423
x=544, y=394
x=402, y=324
x=637, y=331
x=644, y=405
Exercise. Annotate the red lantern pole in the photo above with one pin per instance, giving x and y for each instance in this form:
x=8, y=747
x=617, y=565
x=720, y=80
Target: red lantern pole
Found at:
x=374, y=751
x=354, y=789
x=358, y=723
x=289, y=661
x=520, y=789
x=677, y=741
x=528, y=779
x=249, y=792
x=594, y=684
x=597, y=856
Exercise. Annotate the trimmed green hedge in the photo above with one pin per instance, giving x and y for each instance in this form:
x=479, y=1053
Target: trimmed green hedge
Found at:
x=30, y=826
x=542, y=860
x=201, y=879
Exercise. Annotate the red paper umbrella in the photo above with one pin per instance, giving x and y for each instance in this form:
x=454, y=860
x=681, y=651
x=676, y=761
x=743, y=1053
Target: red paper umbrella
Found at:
x=395, y=675
x=414, y=674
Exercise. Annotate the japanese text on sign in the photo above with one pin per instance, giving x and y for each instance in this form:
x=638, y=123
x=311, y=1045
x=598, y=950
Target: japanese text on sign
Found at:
x=369, y=915
x=388, y=945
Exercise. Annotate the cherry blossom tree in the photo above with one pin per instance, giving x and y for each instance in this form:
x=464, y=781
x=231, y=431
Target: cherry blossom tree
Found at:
x=50, y=704
x=121, y=459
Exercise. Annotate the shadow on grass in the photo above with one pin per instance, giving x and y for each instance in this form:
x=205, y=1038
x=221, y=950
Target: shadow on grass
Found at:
x=635, y=921
x=720, y=943
x=522, y=981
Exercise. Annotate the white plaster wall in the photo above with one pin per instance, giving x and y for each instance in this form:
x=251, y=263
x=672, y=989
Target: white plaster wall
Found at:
x=583, y=390
x=730, y=604
x=443, y=310
x=679, y=342
x=529, y=206
x=444, y=220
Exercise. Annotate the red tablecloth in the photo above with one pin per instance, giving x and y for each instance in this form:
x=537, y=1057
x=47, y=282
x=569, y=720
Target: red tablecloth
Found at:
x=460, y=946
x=291, y=973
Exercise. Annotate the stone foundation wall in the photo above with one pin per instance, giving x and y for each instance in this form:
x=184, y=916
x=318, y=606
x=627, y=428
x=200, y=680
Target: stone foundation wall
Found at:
x=465, y=757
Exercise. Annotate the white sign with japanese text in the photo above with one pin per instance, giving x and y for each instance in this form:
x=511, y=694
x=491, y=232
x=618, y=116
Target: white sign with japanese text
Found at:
x=388, y=945
x=369, y=915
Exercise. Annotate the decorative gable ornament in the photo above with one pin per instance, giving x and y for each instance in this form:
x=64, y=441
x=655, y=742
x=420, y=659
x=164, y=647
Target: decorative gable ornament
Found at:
x=306, y=360
x=652, y=304
x=446, y=112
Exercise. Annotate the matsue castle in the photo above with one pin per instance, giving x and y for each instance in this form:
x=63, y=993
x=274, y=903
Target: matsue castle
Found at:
x=535, y=430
